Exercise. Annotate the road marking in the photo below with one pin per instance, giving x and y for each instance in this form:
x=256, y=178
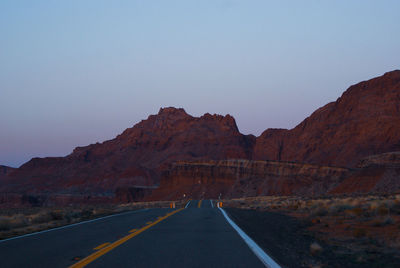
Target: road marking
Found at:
x=212, y=205
x=264, y=258
x=148, y=222
x=101, y=246
x=119, y=242
x=133, y=230
x=199, y=204
x=71, y=225
x=188, y=204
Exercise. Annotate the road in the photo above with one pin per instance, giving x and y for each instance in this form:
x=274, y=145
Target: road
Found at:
x=195, y=236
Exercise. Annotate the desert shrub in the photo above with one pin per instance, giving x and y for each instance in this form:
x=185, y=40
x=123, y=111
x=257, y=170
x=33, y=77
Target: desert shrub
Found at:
x=87, y=213
x=315, y=248
x=388, y=221
x=71, y=215
x=359, y=232
x=57, y=215
x=374, y=205
x=357, y=211
x=319, y=211
x=5, y=223
x=383, y=221
x=41, y=217
x=395, y=208
x=337, y=209
x=383, y=210
x=18, y=220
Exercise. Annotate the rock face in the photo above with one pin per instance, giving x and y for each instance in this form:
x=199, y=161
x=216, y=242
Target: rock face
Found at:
x=391, y=159
x=364, y=121
x=376, y=174
x=135, y=158
x=238, y=178
x=5, y=171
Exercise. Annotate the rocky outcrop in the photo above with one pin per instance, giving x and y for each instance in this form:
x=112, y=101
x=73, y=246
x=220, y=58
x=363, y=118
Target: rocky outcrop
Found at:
x=376, y=174
x=135, y=158
x=364, y=121
x=5, y=170
x=237, y=178
x=391, y=159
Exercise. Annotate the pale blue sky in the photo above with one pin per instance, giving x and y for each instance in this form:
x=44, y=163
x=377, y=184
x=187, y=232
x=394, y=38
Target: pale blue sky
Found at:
x=78, y=72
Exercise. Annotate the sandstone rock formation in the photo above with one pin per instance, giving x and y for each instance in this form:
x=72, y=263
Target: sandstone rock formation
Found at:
x=5, y=170
x=364, y=121
x=135, y=158
x=238, y=178
x=376, y=174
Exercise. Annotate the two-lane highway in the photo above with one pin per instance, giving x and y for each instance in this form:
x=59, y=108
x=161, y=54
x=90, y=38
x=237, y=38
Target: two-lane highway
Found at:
x=195, y=236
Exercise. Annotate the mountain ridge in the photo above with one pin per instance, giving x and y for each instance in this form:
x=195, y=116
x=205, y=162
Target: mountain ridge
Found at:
x=363, y=121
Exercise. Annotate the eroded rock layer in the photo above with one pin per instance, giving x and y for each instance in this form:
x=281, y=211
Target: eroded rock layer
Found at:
x=235, y=178
x=364, y=121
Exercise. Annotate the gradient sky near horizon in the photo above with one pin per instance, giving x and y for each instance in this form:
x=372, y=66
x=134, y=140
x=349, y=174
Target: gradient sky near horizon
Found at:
x=78, y=72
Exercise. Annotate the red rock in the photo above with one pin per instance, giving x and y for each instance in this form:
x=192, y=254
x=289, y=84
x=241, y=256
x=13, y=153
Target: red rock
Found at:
x=365, y=120
x=5, y=170
x=135, y=158
x=238, y=178
x=376, y=174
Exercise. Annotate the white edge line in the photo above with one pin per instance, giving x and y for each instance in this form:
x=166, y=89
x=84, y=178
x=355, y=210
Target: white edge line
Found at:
x=71, y=225
x=187, y=204
x=264, y=258
x=212, y=205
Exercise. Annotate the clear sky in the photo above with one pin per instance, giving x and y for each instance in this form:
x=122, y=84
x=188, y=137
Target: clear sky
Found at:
x=78, y=72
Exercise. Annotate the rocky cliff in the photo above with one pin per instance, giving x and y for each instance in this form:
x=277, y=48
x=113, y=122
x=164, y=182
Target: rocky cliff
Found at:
x=5, y=171
x=135, y=158
x=364, y=121
x=376, y=174
x=236, y=178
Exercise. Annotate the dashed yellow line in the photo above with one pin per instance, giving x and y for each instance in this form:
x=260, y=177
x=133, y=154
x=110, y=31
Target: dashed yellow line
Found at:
x=119, y=242
x=199, y=205
x=101, y=246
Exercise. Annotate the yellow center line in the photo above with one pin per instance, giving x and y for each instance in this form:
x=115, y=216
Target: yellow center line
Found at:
x=133, y=230
x=119, y=242
x=200, y=203
x=101, y=246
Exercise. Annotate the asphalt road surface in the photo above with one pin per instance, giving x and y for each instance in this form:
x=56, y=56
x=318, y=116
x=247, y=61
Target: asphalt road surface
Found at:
x=195, y=236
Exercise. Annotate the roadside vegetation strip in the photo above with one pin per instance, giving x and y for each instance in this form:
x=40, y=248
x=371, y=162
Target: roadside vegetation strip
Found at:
x=119, y=242
x=74, y=224
x=264, y=258
x=199, y=204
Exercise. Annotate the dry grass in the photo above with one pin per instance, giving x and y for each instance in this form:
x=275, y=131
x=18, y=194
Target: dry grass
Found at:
x=362, y=224
x=20, y=221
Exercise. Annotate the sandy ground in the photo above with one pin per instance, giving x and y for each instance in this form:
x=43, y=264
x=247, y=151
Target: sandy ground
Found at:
x=313, y=236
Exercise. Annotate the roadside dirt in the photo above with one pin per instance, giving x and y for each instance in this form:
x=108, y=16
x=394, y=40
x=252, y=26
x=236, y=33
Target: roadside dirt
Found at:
x=296, y=242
